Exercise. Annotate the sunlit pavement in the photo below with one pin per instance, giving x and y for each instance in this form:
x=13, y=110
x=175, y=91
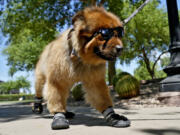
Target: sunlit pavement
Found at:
x=17, y=119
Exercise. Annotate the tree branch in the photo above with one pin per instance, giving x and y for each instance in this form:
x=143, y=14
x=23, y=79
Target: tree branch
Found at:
x=158, y=59
x=140, y=56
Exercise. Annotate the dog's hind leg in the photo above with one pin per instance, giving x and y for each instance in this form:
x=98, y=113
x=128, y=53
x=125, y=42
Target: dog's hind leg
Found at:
x=39, y=85
x=56, y=97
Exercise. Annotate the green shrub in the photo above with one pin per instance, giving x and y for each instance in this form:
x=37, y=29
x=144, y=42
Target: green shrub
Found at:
x=127, y=86
x=77, y=92
x=15, y=97
x=20, y=83
x=118, y=76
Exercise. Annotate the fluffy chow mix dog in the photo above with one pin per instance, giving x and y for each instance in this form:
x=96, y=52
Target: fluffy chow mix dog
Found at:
x=80, y=55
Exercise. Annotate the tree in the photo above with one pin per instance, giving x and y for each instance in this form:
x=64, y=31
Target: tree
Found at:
x=147, y=37
x=23, y=84
x=141, y=72
x=19, y=83
x=23, y=53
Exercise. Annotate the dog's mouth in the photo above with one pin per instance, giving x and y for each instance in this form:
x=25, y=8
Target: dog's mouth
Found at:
x=109, y=57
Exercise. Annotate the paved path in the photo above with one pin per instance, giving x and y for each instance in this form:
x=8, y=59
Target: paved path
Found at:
x=19, y=120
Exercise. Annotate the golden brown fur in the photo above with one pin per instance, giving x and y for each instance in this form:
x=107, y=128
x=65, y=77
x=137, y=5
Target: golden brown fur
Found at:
x=58, y=69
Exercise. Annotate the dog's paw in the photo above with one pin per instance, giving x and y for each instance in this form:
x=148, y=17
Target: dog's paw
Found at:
x=37, y=106
x=116, y=120
x=59, y=122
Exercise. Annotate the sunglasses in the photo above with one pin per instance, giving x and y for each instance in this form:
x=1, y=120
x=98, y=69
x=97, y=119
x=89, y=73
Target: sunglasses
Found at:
x=107, y=33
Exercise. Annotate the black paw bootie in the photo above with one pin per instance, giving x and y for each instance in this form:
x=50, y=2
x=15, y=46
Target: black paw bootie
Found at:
x=37, y=106
x=114, y=119
x=69, y=115
x=59, y=122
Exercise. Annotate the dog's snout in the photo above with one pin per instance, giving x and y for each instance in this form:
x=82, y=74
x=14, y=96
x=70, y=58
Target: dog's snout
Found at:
x=119, y=48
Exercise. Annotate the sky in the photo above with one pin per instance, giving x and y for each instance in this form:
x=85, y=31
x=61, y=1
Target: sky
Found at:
x=30, y=75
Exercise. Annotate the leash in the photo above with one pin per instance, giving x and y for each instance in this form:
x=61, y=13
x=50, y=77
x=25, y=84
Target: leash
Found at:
x=135, y=12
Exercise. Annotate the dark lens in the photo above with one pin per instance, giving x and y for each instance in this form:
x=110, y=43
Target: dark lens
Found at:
x=120, y=31
x=105, y=33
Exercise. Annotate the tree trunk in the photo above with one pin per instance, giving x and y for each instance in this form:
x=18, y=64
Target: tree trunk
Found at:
x=147, y=62
x=93, y=2
x=111, y=71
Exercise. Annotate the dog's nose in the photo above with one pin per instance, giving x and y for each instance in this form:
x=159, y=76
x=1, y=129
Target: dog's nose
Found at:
x=119, y=48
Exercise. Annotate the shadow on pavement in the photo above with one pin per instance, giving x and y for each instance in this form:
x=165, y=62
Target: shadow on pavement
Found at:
x=88, y=120
x=14, y=112
x=162, y=131
x=83, y=116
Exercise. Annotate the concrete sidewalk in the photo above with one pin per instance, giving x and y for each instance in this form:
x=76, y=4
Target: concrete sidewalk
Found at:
x=19, y=120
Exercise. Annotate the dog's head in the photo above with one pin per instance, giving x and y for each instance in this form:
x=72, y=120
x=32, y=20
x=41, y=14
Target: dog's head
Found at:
x=99, y=35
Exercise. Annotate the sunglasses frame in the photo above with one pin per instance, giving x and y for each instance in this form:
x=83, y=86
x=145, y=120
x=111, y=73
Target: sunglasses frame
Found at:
x=107, y=33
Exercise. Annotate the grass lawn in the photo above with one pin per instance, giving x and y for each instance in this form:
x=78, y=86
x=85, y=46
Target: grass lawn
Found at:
x=14, y=102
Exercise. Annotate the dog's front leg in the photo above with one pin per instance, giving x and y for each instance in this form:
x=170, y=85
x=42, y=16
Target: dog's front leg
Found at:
x=56, y=101
x=97, y=94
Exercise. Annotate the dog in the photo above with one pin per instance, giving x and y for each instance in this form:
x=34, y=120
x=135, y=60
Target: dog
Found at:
x=80, y=55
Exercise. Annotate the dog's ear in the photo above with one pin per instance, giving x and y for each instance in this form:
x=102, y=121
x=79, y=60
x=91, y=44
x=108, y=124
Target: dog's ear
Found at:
x=78, y=16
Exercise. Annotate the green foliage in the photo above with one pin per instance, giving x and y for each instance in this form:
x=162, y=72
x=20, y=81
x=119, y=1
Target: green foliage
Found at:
x=24, y=52
x=42, y=16
x=19, y=83
x=165, y=61
x=118, y=71
x=123, y=8
x=15, y=97
x=77, y=92
x=127, y=86
x=141, y=72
